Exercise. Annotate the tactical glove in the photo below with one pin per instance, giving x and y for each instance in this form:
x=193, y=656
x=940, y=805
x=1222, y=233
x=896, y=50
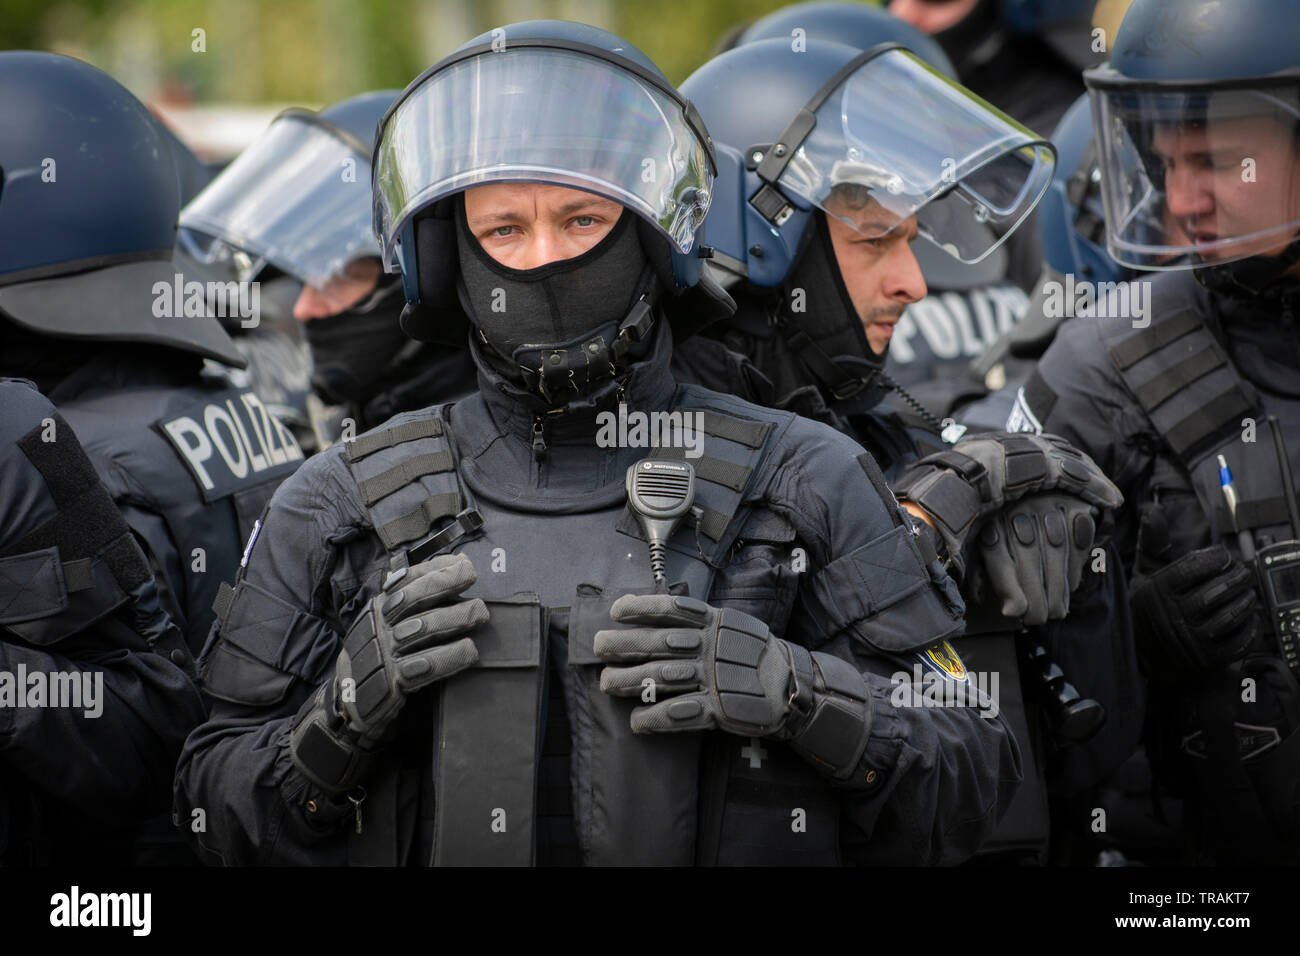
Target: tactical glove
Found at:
x=398, y=645
x=1032, y=554
x=1196, y=614
x=961, y=487
x=723, y=669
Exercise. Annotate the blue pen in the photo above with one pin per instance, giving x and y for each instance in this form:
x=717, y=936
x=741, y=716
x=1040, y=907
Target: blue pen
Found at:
x=1244, y=541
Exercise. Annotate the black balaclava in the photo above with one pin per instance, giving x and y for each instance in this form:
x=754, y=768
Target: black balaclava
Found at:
x=351, y=350
x=565, y=327
x=829, y=317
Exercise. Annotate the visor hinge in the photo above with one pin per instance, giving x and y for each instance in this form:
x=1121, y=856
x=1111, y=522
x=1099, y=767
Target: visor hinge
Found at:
x=771, y=205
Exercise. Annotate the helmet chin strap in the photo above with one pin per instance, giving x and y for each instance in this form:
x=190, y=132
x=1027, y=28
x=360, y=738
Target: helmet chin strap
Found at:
x=1247, y=278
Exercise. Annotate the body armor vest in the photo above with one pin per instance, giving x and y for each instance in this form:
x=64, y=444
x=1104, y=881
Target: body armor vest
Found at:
x=1201, y=407
x=670, y=799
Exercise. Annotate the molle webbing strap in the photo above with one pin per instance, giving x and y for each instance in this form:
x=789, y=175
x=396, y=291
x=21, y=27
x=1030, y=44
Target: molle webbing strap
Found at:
x=1175, y=379
x=402, y=502
x=1137, y=347
x=372, y=442
x=749, y=434
x=416, y=523
x=1216, y=414
x=725, y=473
x=1253, y=513
x=1183, y=380
x=719, y=507
x=403, y=473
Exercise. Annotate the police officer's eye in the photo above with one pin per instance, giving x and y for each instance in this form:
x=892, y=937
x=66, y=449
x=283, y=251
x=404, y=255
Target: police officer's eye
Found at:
x=502, y=231
x=584, y=221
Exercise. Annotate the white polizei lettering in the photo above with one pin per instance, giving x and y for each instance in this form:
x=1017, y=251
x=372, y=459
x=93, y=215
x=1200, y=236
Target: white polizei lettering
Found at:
x=196, y=454
x=258, y=461
x=970, y=344
x=292, y=451
x=983, y=307
x=274, y=452
x=900, y=346
x=1012, y=306
x=938, y=329
x=249, y=400
x=214, y=415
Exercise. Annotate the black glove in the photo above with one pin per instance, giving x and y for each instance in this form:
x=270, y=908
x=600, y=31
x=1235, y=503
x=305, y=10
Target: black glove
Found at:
x=723, y=669
x=1196, y=614
x=398, y=645
x=979, y=476
x=1031, y=555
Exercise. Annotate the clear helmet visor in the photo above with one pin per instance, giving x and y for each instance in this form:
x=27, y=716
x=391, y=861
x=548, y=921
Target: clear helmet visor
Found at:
x=541, y=114
x=298, y=198
x=898, y=139
x=1197, y=177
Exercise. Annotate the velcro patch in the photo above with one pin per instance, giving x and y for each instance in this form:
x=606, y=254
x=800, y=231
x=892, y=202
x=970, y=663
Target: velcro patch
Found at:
x=230, y=442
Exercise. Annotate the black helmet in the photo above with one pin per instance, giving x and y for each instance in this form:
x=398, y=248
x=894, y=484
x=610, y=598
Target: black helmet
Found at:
x=546, y=101
x=89, y=194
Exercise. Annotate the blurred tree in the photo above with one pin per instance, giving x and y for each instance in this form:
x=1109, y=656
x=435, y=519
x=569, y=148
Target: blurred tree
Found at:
x=319, y=51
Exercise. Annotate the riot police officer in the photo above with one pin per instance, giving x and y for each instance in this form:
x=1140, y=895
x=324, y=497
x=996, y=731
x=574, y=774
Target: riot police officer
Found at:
x=817, y=250
x=93, y=310
x=96, y=692
x=448, y=644
x=966, y=306
x=1173, y=395
x=297, y=202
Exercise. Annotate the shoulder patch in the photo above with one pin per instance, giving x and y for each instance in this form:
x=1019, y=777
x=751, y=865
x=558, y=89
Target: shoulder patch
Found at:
x=230, y=442
x=942, y=658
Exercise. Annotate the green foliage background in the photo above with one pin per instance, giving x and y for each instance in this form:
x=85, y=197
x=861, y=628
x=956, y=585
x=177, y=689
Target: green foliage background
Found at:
x=316, y=51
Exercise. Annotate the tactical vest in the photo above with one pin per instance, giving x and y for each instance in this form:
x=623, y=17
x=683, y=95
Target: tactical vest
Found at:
x=208, y=461
x=1202, y=407
x=670, y=799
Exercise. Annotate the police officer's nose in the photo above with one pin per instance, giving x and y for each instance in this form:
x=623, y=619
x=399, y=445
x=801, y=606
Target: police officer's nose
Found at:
x=312, y=304
x=903, y=280
x=544, y=247
x=1188, y=192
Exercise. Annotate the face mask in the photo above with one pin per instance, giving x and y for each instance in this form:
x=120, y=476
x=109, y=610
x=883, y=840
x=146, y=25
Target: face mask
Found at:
x=351, y=350
x=565, y=326
x=829, y=316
